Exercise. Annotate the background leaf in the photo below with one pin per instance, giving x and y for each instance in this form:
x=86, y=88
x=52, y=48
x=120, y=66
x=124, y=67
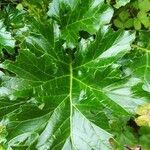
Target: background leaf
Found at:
x=6, y=40
x=74, y=16
x=74, y=80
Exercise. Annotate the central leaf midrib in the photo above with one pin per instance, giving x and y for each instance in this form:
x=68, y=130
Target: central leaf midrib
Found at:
x=70, y=98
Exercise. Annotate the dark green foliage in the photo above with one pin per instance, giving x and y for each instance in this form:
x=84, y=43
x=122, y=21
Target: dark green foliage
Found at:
x=70, y=79
x=133, y=15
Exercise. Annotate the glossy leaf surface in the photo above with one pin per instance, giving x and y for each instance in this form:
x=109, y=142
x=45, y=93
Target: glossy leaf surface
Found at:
x=67, y=82
x=78, y=91
x=74, y=16
x=6, y=40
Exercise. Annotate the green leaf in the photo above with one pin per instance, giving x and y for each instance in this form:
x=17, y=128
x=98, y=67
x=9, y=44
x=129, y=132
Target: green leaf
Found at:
x=124, y=15
x=144, y=5
x=124, y=133
x=118, y=23
x=146, y=22
x=142, y=16
x=141, y=65
x=144, y=131
x=134, y=4
x=129, y=23
x=137, y=24
x=74, y=16
x=6, y=40
x=59, y=96
x=85, y=86
x=120, y=3
x=19, y=7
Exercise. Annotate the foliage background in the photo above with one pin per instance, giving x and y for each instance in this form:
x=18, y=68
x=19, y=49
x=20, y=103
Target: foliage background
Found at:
x=16, y=18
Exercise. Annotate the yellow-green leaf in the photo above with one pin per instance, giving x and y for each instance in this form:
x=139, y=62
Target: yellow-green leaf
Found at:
x=144, y=115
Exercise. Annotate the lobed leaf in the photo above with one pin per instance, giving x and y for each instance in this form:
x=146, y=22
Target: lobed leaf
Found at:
x=67, y=88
